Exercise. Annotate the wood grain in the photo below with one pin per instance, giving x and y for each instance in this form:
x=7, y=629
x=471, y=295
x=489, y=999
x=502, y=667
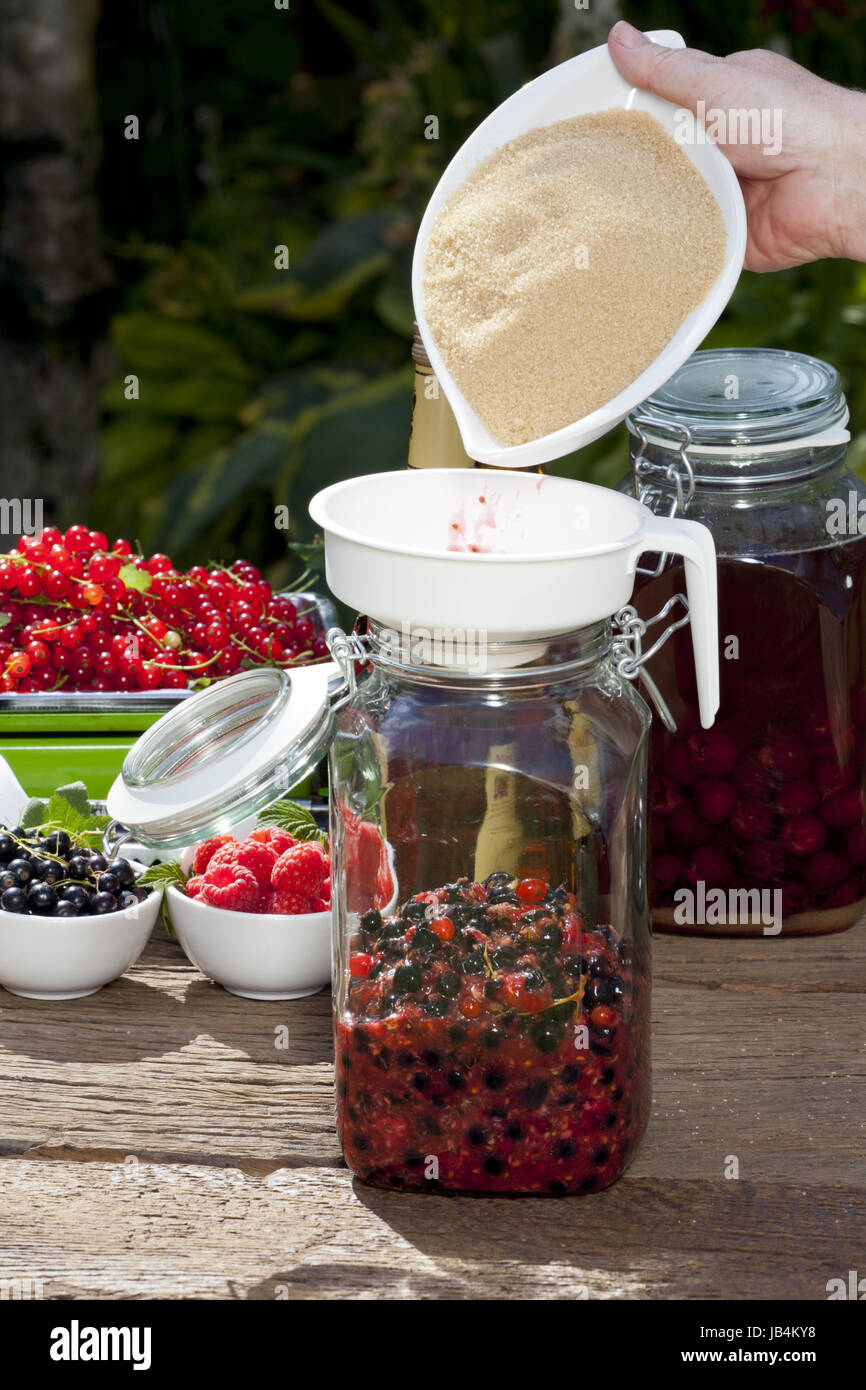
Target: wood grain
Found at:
x=155, y=1141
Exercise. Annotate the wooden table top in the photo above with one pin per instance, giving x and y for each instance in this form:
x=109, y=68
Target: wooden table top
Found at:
x=156, y=1141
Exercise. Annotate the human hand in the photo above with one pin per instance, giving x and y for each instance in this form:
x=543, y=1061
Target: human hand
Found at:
x=807, y=199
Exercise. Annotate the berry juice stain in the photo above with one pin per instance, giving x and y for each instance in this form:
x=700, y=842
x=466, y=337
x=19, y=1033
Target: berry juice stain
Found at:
x=771, y=797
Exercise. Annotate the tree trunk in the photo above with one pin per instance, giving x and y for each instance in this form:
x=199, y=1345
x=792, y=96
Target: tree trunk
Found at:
x=52, y=354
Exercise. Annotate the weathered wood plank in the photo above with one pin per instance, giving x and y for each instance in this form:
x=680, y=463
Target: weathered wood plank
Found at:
x=165, y=1066
x=173, y=1150
x=184, y=1231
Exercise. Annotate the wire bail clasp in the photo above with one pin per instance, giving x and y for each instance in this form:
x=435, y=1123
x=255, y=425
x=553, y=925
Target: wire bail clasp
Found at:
x=346, y=649
x=651, y=480
x=629, y=657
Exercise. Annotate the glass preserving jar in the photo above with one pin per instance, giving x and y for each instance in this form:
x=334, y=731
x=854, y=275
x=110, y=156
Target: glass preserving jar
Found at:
x=757, y=825
x=488, y=816
x=491, y=972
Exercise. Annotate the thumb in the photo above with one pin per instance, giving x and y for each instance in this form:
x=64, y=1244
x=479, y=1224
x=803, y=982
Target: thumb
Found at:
x=680, y=75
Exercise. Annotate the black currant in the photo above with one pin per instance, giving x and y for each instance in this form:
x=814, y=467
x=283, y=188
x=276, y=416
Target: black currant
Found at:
x=42, y=899
x=102, y=903
x=14, y=900
x=22, y=869
x=123, y=872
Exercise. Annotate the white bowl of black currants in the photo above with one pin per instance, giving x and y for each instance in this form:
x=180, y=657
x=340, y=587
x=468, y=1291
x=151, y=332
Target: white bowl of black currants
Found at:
x=71, y=920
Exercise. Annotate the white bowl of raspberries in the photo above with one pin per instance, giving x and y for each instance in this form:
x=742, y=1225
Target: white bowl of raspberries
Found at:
x=255, y=914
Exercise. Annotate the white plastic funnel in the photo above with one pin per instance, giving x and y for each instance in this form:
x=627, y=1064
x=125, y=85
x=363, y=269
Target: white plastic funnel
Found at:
x=550, y=555
x=583, y=85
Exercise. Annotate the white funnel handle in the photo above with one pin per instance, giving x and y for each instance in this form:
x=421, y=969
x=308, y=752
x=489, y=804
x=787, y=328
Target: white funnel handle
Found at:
x=695, y=544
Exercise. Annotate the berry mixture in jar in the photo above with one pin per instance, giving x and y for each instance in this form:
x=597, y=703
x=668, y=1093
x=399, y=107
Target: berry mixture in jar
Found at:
x=771, y=799
x=491, y=1040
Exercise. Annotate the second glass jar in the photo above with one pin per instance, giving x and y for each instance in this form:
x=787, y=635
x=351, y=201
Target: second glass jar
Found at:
x=757, y=825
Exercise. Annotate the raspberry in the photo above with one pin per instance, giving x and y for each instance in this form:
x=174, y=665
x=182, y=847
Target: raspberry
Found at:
x=300, y=869
x=678, y=765
x=786, y=756
x=658, y=834
x=857, y=845
x=667, y=870
x=765, y=862
x=319, y=905
x=325, y=891
x=193, y=886
x=259, y=859
x=205, y=852
x=752, y=820
x=712, y=753
x=843, y=895
x=233, y=888
x=833, y=778
x=224, y=857
x=826, y=871
x=797, y=798
x=689, y=828
x=710, y=865
x=795, y=897
x=283, y=900
x=751, y=777
x=715, y=800
x=665, y=795
x=280, y=840
x=843, y=809
x=803, y=835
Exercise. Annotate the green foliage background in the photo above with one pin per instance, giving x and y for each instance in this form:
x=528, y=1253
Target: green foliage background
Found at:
x=305, y=128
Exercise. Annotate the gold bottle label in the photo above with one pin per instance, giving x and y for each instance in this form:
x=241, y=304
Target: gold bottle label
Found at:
x=435, y=439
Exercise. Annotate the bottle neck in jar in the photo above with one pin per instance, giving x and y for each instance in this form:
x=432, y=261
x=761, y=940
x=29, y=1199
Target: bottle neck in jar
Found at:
x=468, y=656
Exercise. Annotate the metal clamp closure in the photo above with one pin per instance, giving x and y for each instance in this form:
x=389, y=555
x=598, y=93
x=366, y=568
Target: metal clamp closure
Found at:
x=346, y=649
x=653, y=480
x=629, y=657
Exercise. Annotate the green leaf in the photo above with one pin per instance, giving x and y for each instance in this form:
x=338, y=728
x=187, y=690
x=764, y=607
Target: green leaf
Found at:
x=76, y=794
x=344, y=257
x=288, y=298
x=134, y=578
x=34, y=813
x=62, y=815
x=202, y=496
x=296, y=819
x=371, y=422
x=154, y=346
x=167, y=875
x=199, y=396
x=161, y=875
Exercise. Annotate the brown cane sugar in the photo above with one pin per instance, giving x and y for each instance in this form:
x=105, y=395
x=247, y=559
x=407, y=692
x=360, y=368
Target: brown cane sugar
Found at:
x=563, y=266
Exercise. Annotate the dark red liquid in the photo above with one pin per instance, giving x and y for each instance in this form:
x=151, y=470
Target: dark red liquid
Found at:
x=772, y=796
x=517, y=1061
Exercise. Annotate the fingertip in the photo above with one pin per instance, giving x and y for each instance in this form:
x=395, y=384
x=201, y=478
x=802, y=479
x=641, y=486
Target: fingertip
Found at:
x=625, y=35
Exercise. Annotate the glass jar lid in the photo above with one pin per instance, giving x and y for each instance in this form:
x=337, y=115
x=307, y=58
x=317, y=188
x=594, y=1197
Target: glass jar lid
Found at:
x=223, y=754
x=751, y=399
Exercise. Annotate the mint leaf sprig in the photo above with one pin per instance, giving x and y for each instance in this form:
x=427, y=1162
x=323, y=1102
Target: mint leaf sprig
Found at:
x=299, y=822
x=167, y=875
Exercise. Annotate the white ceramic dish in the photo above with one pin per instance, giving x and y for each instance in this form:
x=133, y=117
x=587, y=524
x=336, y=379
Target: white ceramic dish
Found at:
x=70, y=957
x=585, y=84
x=257, y=955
